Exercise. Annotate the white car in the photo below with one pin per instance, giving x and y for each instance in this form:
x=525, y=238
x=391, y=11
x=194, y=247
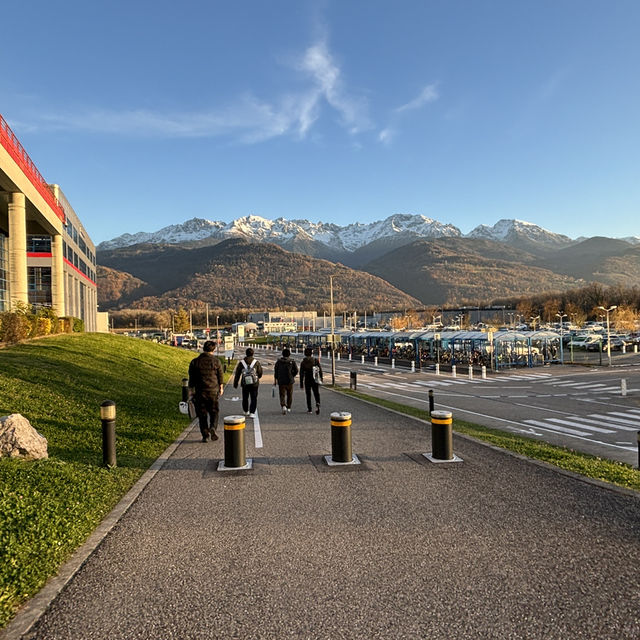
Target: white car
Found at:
x=583, y=342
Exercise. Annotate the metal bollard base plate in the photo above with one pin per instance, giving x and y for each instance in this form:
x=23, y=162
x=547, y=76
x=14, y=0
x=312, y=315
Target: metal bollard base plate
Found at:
x=223, y=467
x=330, y=461
x=429, y=457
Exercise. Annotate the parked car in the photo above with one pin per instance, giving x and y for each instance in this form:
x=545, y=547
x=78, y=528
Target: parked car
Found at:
x=583, y=341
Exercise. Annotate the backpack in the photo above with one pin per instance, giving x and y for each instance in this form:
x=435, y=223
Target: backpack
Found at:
x=315, y=372
x=249, y=376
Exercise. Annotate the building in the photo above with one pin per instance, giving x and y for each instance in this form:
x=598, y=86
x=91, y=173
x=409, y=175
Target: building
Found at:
x=272, y=320
x=46, y=256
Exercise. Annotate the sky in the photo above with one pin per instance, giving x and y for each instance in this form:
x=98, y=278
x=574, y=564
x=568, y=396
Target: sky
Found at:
x=148, y=112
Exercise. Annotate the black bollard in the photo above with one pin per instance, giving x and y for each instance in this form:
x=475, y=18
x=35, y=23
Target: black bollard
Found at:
x=341, y=437
x=185, y=389
x=430, y=401
x=441, y=435
x=108, y=418
x=234, y=455
x=353, y=380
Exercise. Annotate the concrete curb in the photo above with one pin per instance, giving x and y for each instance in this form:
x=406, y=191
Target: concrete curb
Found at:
x=540, y=463
x=31, y=611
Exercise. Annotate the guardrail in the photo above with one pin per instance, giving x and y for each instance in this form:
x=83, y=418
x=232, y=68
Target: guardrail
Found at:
x=13, y=147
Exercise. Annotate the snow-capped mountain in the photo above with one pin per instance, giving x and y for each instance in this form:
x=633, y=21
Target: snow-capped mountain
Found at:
x=521, y=234
x=281, y=231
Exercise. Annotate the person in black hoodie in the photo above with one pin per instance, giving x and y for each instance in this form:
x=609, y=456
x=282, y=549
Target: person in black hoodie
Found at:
x=249, y=371
x=310, y=378
x=206, y=382
x=284, y=375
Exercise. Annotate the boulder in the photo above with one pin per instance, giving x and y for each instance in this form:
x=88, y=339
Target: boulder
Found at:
x=18, y=439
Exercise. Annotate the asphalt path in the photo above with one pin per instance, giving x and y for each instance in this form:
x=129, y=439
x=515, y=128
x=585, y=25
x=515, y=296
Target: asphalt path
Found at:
x=579, y=407
x=495, y=546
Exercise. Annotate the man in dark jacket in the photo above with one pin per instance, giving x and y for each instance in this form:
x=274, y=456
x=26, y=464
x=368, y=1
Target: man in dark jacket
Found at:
x=206, y=384
x=310, y=378
x=249, y=372
x=283, y=375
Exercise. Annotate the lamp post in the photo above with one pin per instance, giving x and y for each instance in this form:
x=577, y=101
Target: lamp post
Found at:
x=333, y=352
x=561, y=315
x=217, y=335
x=608, y=311
x=534, y=319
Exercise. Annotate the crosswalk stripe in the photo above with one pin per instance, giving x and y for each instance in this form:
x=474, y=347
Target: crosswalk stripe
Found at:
x=553, y=427
x=619, y=427
x=623, y=415
x=570, y=423
x=614, y=419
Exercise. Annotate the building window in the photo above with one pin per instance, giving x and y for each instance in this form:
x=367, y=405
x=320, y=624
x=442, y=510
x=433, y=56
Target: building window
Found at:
x=39, y=279
x=38, y=244
x=4, y=274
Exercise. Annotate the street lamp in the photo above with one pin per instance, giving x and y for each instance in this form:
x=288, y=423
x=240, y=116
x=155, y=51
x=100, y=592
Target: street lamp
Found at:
x=561, y=315
x=333, y=345
x=217, y=335
x=608, y=311
x=534, y=319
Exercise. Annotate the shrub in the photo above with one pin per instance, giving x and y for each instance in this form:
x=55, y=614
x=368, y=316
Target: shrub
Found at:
x=78, y=325
x=15, y=327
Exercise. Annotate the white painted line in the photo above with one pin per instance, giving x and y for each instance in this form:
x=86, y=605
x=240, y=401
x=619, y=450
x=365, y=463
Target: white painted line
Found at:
x=524, y=396
x=634, y=410
x=552, y=427
x=619, y=427
x=613, y=419
x=257, y=434
x=623, y=415
x=571, y=423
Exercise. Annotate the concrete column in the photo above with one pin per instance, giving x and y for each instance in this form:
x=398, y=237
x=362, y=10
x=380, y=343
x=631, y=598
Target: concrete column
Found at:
x=57, y=275
x=18, y=286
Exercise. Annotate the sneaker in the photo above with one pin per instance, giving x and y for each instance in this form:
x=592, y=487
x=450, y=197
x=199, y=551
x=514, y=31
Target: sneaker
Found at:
x=252, y=415
x=309, y=411
x=288, y=410
x=246, y=414
x=204, y=438
x=214, y=436
x=284, y=411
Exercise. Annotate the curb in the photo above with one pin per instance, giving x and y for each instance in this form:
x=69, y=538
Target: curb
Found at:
x=31, y=611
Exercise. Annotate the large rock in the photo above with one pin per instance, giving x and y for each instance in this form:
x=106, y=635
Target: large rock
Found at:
x=18, y=439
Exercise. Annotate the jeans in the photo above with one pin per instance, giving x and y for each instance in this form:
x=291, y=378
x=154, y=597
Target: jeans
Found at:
x=309, y=386
x=250, y=398
x=207, y=410
x=286, y=395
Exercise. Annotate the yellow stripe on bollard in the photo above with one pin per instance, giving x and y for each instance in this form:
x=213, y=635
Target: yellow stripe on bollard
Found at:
x=346, y=423
x=436, y=421
x=234, y=427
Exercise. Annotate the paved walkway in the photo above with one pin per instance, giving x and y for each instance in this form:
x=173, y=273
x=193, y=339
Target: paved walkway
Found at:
x=493, y=547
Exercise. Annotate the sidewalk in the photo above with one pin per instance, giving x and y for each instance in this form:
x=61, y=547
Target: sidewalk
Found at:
x=493, y=547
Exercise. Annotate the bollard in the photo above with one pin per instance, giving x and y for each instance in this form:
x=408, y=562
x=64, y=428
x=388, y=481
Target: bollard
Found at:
x=484, y=372
x=341, y=437
x=362, y=360
x=353, y=380
x=638, y=449
x=453, y=371
x=338, y=356
x=393, y=363
x=375, y=361
x=430, y=401
x=349, y=357
x=234, y=456
x=437, y=368
x=413, y=367
x=623, y=387
x=624, y=348
x=635, y=348
x=441, y=435
x=185, y=389
x=108, y=418
x=470, y=372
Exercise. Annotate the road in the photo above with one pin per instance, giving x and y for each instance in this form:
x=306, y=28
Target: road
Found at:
x=574, y=406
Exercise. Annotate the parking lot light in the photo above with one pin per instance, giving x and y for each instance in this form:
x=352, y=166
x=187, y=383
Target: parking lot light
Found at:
x=608, y=311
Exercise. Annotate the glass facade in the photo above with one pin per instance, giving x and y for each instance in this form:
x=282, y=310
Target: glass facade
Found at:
x=39, y=282
x=4, y=274
x=38, y=244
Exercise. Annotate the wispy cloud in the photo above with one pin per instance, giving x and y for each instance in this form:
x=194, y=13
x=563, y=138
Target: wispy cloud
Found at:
x=427, y=95
x=247, y=119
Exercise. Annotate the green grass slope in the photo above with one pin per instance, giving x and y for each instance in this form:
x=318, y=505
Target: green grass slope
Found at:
x=49, y=507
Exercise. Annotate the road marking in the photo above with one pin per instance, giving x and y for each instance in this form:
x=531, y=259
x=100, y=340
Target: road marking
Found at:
x=571, y=423
x=257, y=434
x=624, y=415
x=621, y=420
x=552, y=427
x=619, y=427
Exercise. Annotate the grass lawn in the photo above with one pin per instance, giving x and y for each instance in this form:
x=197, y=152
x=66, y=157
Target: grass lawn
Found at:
x=49, y=507
x=617, y=473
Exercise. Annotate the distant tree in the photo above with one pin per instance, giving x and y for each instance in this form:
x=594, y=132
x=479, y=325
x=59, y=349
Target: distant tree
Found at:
x=625, y=319
x=181, y=321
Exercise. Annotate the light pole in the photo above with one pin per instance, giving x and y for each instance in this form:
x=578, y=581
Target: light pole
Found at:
x=333, y=353
x=217, y=335
x=533, y=321
x=561, y=315
x=608, y=311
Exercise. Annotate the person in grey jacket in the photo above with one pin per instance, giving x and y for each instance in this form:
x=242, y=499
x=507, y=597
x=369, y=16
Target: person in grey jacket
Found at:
x=248, y=372
x=284, y=375
x=310, y=378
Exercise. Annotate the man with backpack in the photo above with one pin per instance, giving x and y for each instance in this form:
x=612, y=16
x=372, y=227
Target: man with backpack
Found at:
x=310, y=378
x=248, y=373
x=283, y=375
x=206, y=378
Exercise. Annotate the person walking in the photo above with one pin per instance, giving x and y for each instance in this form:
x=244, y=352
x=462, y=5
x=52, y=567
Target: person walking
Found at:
x=248, y=373
x=310, y=378
x=284, y=374
x=206, y=379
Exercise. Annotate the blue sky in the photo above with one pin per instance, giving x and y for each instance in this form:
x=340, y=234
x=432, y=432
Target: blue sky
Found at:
x=148, y=113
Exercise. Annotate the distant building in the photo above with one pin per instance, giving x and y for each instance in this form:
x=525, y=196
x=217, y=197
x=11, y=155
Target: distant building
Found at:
x=301, y=319
x=46, y=256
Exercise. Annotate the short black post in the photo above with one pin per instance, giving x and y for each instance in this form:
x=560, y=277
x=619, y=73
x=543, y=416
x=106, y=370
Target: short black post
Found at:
x=430, y=401
x=442, y=435
x=234, y=455
x=341, y=437
x=638, y=449
x=108, y=418
x=185, y=389
x=353, y=380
